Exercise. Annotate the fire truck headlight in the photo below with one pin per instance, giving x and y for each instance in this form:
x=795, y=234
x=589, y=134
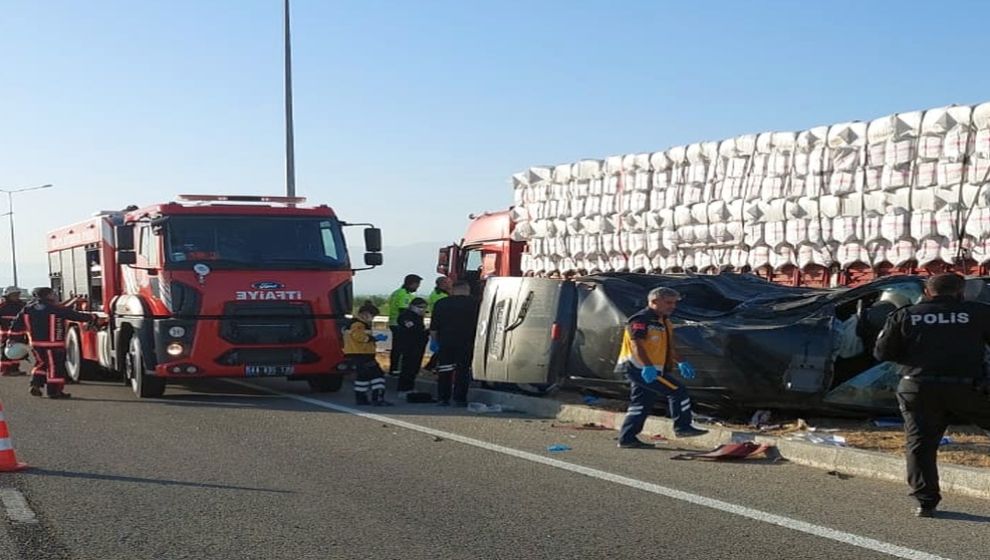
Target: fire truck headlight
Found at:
x=177, y=332
x=175, y=349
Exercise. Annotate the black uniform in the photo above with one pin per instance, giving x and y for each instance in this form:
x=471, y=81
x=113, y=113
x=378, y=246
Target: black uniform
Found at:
x=940, y=346
x=410, y=338
x=42, y=325
x=8, y=312
x=454, y=320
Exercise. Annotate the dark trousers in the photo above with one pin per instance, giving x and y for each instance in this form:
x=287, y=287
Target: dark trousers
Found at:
x=928, y=409
x=395, y=354
x=456, y=375
x=643, y=396
x=369, y=380
x=412, y=359
x=49, y=369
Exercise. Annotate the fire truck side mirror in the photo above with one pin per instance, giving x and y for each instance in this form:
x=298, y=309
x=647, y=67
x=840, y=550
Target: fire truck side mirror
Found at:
x=373, y=259
x=125, y=258
x=373, y=240
x=124, y=237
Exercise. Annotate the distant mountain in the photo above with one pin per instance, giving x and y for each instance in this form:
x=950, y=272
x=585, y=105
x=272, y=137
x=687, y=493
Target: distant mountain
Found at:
x=418, y=258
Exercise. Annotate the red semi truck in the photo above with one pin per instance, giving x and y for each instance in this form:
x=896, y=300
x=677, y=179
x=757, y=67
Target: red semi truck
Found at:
x=209, y=286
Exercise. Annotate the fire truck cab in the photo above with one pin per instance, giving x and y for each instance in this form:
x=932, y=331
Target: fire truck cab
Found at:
x=209, y=286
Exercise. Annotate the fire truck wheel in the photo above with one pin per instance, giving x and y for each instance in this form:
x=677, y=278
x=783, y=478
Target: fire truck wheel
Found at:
x=326, y=383
x=145, y=386
x=76, y=368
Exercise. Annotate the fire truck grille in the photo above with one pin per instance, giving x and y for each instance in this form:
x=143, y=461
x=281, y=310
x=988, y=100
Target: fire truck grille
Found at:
x=267, y=323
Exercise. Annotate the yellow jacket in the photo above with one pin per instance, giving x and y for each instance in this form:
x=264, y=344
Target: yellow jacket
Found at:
x=358, y=339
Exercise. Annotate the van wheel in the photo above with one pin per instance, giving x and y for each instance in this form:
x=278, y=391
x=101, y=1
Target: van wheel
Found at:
x=145, y=386
x=325, y=383
x=76, y=368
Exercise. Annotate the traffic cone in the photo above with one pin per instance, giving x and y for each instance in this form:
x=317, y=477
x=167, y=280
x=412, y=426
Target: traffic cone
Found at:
x=8, y=459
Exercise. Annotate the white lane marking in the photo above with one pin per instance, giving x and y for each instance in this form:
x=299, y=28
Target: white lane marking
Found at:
x=17, y=507
x=711, y=503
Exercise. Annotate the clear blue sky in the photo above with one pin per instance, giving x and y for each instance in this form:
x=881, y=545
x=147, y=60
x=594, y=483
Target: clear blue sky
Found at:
x=413, y=114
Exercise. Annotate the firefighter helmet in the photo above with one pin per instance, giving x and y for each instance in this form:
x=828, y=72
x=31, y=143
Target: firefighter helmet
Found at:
x=9, y=290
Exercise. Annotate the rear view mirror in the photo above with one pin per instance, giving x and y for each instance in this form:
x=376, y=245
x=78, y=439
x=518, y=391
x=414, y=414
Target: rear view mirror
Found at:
x=373, y=240
x=443, y=261
x=125, y=258
x=124, y=237
x=373, y=259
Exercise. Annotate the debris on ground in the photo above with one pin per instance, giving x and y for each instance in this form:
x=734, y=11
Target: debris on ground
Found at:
x=590, y=426
x=840, y=476
x=728, y=452
x=658, y=437
x=437, y=438
x=817, y=438
x=946, y=440
x=558, y=448
x=590, y=399
x=760, y=418
x=889, y=422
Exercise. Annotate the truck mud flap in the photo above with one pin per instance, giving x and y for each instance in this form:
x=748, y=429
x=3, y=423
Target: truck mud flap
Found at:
x=524, y=330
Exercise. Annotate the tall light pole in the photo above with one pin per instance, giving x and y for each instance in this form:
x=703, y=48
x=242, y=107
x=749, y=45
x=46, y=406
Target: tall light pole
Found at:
x=290, y=155
x=10, y=215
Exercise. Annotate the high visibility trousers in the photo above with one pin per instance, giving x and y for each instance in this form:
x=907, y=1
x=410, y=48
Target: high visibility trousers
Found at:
x=643, y=396
x=49, y=369
x=369, y=379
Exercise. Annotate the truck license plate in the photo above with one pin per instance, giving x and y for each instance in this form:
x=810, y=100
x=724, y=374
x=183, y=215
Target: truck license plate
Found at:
x=268, y=371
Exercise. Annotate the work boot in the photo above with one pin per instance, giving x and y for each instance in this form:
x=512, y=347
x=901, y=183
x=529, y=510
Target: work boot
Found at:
x=60, y=395
x=361, y=399
x=923, y=511
x=690, y=432
x=378, y=398
x=35, y=391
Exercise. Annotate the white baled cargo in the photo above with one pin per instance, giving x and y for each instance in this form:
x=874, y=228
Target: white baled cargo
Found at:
x=903, y=187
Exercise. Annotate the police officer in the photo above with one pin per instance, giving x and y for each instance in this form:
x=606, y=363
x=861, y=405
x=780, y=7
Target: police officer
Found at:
x=452, y=328
x=939, y=346
x=42, y=324
x=11, y=306
x=648, y=359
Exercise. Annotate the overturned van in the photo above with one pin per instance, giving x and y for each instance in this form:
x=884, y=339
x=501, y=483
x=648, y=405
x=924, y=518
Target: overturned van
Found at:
x=754, y=344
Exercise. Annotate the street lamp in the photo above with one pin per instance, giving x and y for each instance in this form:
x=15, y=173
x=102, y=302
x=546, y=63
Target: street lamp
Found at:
x=10, y=215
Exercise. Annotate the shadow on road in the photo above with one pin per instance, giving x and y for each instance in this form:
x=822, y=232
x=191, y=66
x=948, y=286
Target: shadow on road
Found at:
x=118, y=478
x=960, y=516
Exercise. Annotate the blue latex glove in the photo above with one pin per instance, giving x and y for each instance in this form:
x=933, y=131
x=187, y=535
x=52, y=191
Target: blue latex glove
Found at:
x=650, y=374
x=687, y=370
x=434, y=346
x=380, y=337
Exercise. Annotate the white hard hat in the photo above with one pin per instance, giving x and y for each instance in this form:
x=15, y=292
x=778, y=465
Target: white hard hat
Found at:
x=16, y=350
x=12, y=290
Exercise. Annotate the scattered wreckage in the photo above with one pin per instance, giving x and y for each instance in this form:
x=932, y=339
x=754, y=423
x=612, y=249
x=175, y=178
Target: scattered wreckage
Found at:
x=755, y=345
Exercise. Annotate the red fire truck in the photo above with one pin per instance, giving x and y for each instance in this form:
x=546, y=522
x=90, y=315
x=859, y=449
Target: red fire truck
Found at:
x=209, y=286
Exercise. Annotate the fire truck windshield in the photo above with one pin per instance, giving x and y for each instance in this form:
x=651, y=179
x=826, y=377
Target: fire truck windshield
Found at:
x=255, y=242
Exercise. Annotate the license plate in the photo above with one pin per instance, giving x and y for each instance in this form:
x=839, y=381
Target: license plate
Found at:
x=268, y=371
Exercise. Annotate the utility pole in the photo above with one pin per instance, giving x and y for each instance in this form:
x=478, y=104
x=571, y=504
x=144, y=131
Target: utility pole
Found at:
x=290, y=154
x=10, y=214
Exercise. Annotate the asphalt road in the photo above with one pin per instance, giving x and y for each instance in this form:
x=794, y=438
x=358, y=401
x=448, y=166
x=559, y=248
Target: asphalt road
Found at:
x=223, y=471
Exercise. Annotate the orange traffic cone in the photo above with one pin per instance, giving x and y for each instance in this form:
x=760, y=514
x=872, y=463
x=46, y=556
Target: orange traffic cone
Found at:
x=8, y=459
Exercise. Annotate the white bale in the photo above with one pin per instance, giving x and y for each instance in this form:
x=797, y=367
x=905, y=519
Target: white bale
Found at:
x=682, y=216
x=796, y=232
x=923, y=226
x=872, y=227
x=851, y=253
x=671, y=239
x=808, y=254
x=896, y=225
x=699, y=213
x=845, y=182
x=845, y=229
x=930, y=250
x=759, y=256
x=783, y=256
x=739, y=257
x=660, y=162
x=753, y=234
x=654, y=243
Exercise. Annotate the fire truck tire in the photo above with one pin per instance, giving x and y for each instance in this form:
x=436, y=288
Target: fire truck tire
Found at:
x=145, y=386
x=326, y=383
x=76, y=368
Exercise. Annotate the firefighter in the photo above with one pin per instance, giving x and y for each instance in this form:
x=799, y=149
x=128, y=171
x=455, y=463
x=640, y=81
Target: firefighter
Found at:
x=11, y=306
x=397, y=303
x=42, y=325
x=359, y=349
x=939, y=346
x=452, y=329
x=411, y=339
x=648, y=359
